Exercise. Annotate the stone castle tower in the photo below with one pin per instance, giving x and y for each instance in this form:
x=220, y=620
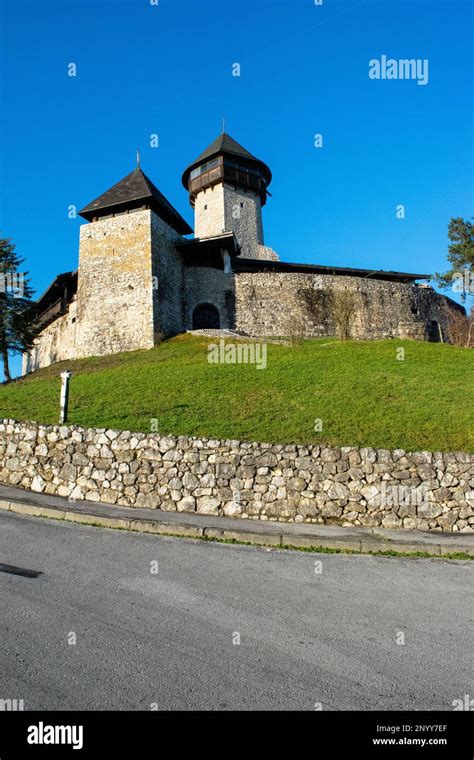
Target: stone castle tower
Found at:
x=227, y=187
x=125, y=253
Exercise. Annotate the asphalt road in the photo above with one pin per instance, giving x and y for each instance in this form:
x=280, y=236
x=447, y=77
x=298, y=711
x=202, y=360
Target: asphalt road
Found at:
x=168, y=638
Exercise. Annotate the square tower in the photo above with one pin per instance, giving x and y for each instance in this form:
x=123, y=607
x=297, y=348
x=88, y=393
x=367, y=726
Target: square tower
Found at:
x=129, y=269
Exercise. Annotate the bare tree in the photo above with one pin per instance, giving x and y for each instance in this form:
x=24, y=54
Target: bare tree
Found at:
x=343, y=306
x=461, y=329
x=296, y=328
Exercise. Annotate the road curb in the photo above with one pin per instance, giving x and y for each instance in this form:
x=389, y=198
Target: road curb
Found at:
x=239, y=534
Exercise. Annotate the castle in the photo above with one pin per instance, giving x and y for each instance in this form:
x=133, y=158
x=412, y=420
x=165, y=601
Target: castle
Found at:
x=140, y=278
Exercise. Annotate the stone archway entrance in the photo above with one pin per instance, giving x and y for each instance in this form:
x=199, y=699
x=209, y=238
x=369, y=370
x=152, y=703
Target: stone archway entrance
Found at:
x=206, y=317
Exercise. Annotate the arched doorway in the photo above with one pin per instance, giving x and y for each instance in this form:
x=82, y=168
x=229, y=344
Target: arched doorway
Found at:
x=206, y=317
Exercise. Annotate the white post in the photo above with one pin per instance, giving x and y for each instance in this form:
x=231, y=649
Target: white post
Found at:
x=65, y=377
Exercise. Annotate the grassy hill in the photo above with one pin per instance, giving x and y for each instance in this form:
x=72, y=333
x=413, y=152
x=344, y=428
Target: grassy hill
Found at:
x=359, y=390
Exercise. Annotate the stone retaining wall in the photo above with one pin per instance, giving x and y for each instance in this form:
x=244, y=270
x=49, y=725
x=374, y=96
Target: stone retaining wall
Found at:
x=348, y=486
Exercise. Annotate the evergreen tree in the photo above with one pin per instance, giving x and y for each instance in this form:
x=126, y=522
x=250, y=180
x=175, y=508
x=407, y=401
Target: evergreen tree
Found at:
x=460, y=257
x=17, y=317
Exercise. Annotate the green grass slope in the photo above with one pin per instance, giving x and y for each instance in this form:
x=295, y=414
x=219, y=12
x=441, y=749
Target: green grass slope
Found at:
x=361, y=393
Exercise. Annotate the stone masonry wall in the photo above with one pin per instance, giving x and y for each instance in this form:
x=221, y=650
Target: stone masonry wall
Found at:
x=224, y=208
x=208, y=285
x=115, y=296
x=167, y=269
x=348, y=486
x=209, y=212
x=56, y=343
x=243, y=215
x=270, y=303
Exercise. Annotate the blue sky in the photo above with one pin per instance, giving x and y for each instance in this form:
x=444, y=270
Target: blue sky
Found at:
x=167, y=69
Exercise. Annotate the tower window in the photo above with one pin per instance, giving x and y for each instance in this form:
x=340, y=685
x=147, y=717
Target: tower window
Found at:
x=205, y=207
x=248, y=169
x=241, y=205
x=204, y=168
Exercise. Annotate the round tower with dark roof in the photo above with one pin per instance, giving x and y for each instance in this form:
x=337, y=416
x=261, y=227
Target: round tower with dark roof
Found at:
x=227, y=187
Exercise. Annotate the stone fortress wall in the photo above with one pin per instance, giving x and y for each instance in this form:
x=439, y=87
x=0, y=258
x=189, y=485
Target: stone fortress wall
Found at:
x=270, y=303
x=263, y=304
x=56, y=343
x=289, y=483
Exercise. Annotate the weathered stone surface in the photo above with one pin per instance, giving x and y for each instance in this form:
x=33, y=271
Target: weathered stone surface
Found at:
x=187, y=504
x=266, y=460
x=331, y=510
x=407, y=510
x=232, y=509
x=225, y=471
x=370, y=494
x=38, y=484
x=208, y=506
x=338, y=491
x=190, y=481
x=67, y=472
x=392, y=521
x=80, y=459
x=429, y=510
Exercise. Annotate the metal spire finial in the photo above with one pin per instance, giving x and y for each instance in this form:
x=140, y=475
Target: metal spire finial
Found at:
x=138, y=158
